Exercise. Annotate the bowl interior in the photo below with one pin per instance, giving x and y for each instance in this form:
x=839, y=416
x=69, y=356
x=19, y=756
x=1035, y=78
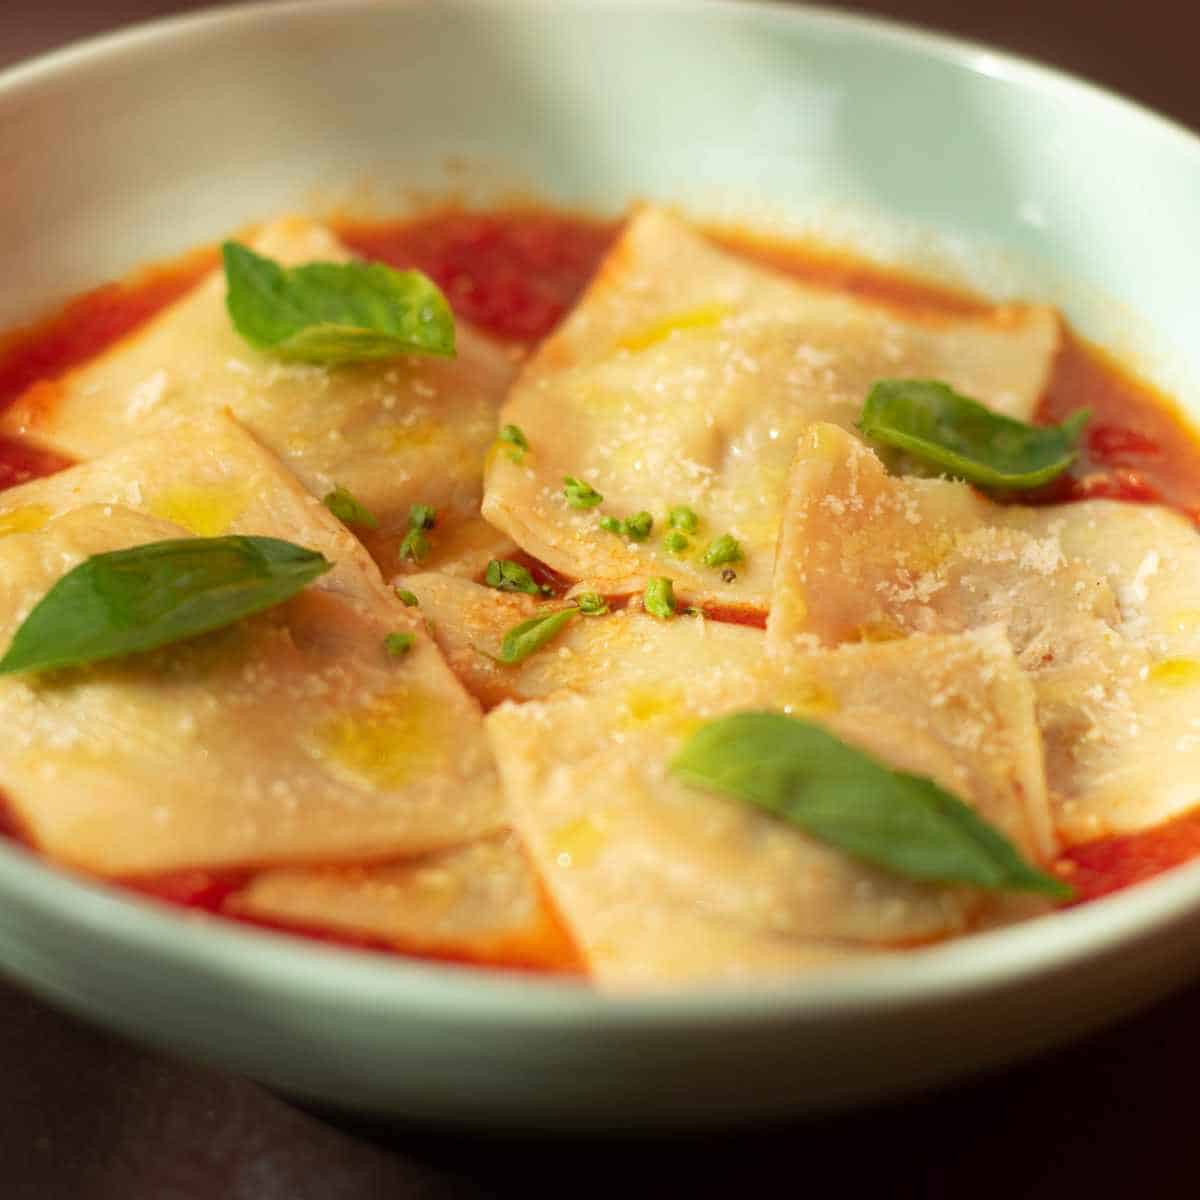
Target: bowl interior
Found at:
x=967, y=165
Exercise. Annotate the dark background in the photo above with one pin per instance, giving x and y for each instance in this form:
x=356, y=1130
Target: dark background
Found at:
x=84, y=1116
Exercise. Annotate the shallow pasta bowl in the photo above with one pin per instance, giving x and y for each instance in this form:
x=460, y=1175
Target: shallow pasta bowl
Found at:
x=941, y=156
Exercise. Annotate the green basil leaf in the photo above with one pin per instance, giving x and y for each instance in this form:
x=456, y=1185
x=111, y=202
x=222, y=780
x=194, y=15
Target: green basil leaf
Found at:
x=335, y=312
x=522, y=640
x=933, y=422
x=840, y=796
x=147, y=596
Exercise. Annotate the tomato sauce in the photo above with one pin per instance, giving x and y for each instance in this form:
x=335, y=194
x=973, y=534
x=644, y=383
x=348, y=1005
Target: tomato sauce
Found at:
x=515, y=274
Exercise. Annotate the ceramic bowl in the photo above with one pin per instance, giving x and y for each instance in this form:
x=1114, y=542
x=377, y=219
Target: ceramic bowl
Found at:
x=955, y=160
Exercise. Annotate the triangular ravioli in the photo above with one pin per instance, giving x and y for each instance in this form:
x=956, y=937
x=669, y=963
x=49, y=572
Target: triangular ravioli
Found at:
x=1100, y=598
x=291, y=737
x=413, y=430
x=628, y=647
x=480, y=902
x=685, y=376
x=626, y=848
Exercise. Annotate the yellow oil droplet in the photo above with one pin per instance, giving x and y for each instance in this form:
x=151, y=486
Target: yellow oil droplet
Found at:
x=578, y=843
x=1176, y=672
x=806, y=697
x=826, y=442
x=397, y=737
x=664, y=707
x=704, y=316
x=206, y=510
x=421, y=435
x=793, y=607
x=29, y=519
x=882, y=630
x=930, y=554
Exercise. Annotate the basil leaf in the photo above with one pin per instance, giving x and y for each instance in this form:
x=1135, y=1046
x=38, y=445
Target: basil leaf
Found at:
x=933, y=422
x=147, y=596
x=522, y=640
x=903, y=823
x=335, y=312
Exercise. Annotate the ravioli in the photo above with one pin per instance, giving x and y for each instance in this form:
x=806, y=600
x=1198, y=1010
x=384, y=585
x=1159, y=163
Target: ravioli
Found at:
x=413, y=430
x=480, y=901
x=628, y=647
x=626, y=849
x=685, y=376
x=290, y=737
x=1100, y=598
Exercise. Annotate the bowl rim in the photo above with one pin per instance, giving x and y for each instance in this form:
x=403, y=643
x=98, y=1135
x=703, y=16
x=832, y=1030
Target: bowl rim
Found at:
x=482, y=997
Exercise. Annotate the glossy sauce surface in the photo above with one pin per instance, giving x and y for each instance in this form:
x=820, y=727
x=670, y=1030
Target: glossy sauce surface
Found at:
x=515, y=274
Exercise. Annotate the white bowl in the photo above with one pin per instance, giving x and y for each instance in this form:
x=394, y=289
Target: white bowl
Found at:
x=959, y=161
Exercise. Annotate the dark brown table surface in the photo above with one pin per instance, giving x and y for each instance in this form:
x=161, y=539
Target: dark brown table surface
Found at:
x=86, y=1116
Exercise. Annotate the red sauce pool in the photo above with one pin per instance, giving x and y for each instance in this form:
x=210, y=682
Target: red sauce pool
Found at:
x=515, y=274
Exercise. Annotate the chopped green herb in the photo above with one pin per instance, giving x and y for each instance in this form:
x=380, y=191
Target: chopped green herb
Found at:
x=422, y=516
x=675, y=542
x=128, y=601
x=522, y=640
x=407, y=597
x=724, y=550
x=580, y=494
x=591, y=604
x=348, y=510
x=509, y=576
x=516, y=441
x=659, y=598
x=637, y=528
x=399, y=643
x=934, y=423
x=839, y=795
x=415, y=546
x=335, y=312
x=682, y=518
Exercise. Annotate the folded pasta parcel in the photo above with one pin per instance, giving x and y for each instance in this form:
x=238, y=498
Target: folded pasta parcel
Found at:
x=1100, y=599
x=325, y=729
x=409, y=429
x=662, y=416
x=662, y=881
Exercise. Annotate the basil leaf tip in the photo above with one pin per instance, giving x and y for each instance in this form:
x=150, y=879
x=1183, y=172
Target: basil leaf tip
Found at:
x=148, y=596
x=334, y=313
x=843, y=797
x=931, y=421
